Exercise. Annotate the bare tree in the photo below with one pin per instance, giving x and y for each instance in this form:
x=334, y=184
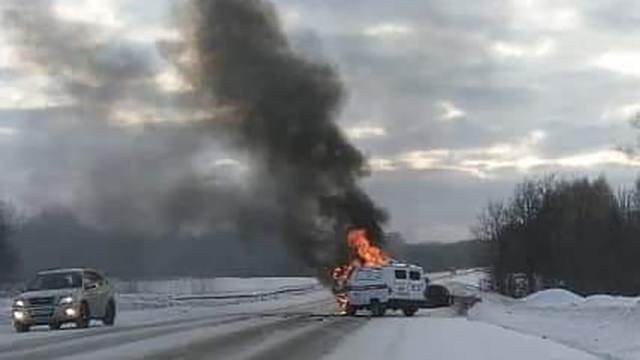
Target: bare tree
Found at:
x=8, y=258
x=577, y=233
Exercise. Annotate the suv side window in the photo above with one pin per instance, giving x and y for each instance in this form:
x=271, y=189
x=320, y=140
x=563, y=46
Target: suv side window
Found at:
x=401, y=274
x=414, y=275
x=93, y=278
x=101, y=281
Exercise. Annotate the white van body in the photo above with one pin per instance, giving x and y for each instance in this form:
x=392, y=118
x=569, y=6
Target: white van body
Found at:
x=394, y=286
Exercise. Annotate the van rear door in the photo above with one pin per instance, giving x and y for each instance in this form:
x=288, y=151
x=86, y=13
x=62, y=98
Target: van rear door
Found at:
x=416, y=284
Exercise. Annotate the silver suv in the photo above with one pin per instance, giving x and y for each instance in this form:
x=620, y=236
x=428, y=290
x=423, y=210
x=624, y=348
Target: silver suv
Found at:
x=55, y=297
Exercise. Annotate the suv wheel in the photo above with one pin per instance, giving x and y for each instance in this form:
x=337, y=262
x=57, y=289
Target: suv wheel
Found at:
x=409, y=311
x=110, y=313
x=54, y=326
x=83, y=318
x=20, y=327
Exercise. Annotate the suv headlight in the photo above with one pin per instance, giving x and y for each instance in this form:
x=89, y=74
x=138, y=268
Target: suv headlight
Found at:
x=66, y=300
x=19, y=303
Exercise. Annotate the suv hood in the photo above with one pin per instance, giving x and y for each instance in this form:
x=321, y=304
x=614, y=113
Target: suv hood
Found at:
x=47, y=293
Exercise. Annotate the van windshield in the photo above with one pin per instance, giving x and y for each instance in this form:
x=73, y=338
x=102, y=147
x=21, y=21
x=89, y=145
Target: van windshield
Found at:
x=368, y=275
x=414, y=275
x=401, y=274
x=55, y=281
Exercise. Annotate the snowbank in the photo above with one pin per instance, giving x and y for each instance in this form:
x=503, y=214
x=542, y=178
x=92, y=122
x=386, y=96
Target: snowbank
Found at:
x=608, y=326
x=608, y=301
x=553, y=297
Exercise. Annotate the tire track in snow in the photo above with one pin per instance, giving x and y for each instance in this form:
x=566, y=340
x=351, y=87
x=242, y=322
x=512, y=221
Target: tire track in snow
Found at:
x=81, y=341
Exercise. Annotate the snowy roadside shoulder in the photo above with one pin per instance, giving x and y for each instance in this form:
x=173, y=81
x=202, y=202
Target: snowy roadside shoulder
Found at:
x=607, y=326
x=447, y=338
x=5, y=310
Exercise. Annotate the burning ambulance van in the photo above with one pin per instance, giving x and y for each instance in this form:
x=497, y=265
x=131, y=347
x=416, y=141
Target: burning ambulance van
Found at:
x=395, y=286
x=372, y=281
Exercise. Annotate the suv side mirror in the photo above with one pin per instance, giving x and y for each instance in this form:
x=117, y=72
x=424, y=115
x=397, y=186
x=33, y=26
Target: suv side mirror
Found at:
x=90, y=286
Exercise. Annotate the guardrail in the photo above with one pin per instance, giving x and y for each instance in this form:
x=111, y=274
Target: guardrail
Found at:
x=262, y=294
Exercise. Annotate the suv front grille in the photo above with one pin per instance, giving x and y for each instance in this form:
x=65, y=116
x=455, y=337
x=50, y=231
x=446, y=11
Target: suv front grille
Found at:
x=41, y=312
x=41, y=301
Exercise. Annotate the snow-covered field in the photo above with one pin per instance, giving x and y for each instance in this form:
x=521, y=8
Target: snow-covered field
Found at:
x=207, y=292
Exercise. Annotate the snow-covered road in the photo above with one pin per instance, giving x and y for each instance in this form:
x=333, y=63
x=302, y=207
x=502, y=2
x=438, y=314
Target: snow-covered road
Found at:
x=424, y=337
x=298, y=325
x=191, y=330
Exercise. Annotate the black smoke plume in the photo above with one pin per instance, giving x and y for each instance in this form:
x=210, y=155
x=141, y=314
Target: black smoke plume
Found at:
x=286, y=105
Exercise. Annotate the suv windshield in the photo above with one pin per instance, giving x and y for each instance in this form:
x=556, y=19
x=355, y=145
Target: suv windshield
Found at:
x=55, y=281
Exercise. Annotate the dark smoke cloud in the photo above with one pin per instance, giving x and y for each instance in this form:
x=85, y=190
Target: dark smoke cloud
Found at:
x=251, y=98
x=287, y=105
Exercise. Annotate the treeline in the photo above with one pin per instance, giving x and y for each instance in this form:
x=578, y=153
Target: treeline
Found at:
x=578, y=233
x=8, y=257
x=56, y=238
x=447, y=256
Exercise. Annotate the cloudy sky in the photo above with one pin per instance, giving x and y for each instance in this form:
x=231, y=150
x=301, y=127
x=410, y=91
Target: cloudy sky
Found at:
x=453, y=102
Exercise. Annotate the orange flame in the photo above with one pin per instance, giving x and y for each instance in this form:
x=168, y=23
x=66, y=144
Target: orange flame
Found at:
x=363, y=253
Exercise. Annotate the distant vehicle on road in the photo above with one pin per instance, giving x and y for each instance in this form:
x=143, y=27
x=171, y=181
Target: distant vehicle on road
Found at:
x=396, y=286
x=56, y=297
x=518, y=285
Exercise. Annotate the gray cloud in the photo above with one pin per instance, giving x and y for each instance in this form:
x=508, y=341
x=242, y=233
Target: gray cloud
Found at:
x=511, y=69
x=543, y=78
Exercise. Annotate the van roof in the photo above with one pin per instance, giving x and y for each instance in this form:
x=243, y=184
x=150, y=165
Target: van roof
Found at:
x=392, y=265
x=63, y=270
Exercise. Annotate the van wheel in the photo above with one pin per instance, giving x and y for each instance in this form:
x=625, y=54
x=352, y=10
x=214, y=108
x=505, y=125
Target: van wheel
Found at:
x=410, y=311
x=377, y=309
x=21, y=328
x=83, y=318
x=110, y=313
x=351, y=310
